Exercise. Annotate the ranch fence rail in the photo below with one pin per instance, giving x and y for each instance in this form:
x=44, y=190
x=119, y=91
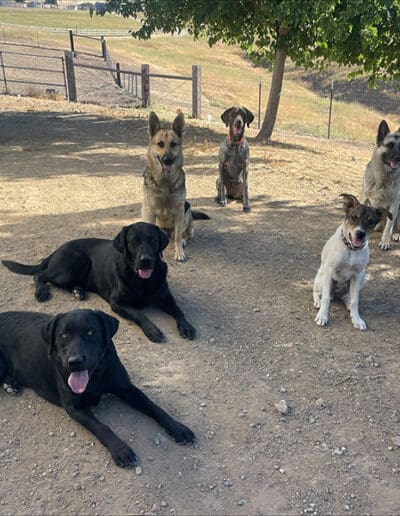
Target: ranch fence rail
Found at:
x=33, y=70
x=109, y=33
x=17, y=76
x=133, y=82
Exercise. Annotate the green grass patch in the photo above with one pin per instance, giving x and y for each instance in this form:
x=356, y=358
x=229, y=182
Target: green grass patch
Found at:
x=62, y=19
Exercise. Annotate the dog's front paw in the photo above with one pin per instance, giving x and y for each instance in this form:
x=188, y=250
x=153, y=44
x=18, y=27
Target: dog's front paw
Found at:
x=10, y=385
x=180, y=255
x=123, y=455
x=78, y=293
x=396, y=237
x=321, y=319
x=385, y=246
x=246, y=208
x=358, y=323
x=223, y=202
x=186, y=330
x=181, y=433
x=152, y=332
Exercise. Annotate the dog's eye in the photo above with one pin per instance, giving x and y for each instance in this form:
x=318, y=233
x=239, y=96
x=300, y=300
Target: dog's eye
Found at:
x=161, y=144
x=390, y=145
x=64, y=335
x=90, y=333
x=173, y=144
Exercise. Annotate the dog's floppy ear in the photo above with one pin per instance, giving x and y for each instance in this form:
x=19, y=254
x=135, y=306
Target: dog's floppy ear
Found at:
x=49, y=331
x=120, y=240
x=349, y=202
x=179, y=124
x=383, y=212
x=249, y=116
x=164, y=240
x=109, y=324
x=154, y=124
x=225, y=116
x=383, y=130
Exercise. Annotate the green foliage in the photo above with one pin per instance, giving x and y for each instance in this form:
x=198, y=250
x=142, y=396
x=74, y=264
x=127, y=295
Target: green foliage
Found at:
x=365, y=33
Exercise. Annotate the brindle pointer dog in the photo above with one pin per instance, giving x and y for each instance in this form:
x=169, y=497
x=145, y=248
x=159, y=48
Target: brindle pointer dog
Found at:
x=232, y=182
x=381, y=183
x=164, y=187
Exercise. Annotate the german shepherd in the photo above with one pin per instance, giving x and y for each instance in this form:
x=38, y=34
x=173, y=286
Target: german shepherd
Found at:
x=164, y=186
x=381, y=182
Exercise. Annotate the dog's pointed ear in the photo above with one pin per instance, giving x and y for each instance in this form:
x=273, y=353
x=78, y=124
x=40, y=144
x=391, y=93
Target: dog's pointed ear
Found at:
x=164, y=240
x=349, y=202
x=178, y=124
x=154, y=124
x=383, y=212
x=225, y=116
x=120, y=240
x=109, y=324
x=249, y=116
x=48, y=332
x=383, y=130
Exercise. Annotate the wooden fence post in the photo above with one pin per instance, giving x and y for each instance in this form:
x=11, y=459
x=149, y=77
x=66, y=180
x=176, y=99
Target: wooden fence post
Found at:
x=69, y=68
x=118, y=67
x=71, y=41
x=196, y=91
x=4, y=72
x=103, y=48
x=145, y=85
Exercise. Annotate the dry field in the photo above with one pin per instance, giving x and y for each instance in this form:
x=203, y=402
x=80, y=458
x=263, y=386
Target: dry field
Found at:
x=74, y=171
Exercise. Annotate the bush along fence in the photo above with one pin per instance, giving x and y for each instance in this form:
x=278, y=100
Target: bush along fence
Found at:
x=134, y=82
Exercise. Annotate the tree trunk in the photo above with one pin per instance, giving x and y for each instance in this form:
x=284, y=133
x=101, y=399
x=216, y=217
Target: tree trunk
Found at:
x=274, y=96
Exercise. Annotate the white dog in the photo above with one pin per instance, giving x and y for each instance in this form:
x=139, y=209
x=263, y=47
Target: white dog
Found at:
x=344, y=259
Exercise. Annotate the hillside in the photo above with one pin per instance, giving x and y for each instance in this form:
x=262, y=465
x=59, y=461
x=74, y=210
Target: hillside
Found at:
x=227, y=78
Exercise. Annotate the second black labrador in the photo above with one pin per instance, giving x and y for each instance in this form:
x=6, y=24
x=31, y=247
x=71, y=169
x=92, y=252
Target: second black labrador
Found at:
x=70, y=360
x=128, y=272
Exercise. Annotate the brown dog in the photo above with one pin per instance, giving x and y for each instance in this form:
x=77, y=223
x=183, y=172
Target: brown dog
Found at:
x=164, y=201
x=232, y=182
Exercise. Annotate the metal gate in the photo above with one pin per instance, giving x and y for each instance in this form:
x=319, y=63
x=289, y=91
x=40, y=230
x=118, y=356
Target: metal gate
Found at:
x=21, y=71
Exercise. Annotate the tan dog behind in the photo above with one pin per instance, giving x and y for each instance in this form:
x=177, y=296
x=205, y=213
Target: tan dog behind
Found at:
x=164, y=186
x=381, y=182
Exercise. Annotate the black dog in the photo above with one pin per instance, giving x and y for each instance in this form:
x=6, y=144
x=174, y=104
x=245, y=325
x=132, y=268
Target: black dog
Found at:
x=70, y=360
x=127, y=272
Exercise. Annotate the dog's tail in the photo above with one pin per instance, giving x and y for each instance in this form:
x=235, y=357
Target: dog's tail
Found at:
x=20, y=268
x=199, y=215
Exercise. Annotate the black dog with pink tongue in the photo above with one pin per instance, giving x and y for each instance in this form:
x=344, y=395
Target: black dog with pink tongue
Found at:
x=128, y=272
x=70, y=360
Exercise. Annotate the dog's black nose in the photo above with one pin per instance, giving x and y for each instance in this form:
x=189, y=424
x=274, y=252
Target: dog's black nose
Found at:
x=145, y=261
x=168, y=159
x=360, y=234
x=76, y=360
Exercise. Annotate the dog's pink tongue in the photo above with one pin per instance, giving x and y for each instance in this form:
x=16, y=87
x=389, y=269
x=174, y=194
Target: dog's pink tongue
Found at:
x=167, y=168
x=145, y=273
x=357, y=243
x=394, y=165
x=78, y=381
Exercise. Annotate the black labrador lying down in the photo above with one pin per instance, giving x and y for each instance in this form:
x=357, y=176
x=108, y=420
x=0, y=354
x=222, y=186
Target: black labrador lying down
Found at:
x=70, y=360
x=128, y=272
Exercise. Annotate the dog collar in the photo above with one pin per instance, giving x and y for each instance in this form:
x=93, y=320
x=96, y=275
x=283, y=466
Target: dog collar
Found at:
x=349, y=245
x=234, y=142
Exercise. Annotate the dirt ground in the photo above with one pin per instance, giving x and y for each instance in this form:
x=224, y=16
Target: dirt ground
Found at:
x=75, y=171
